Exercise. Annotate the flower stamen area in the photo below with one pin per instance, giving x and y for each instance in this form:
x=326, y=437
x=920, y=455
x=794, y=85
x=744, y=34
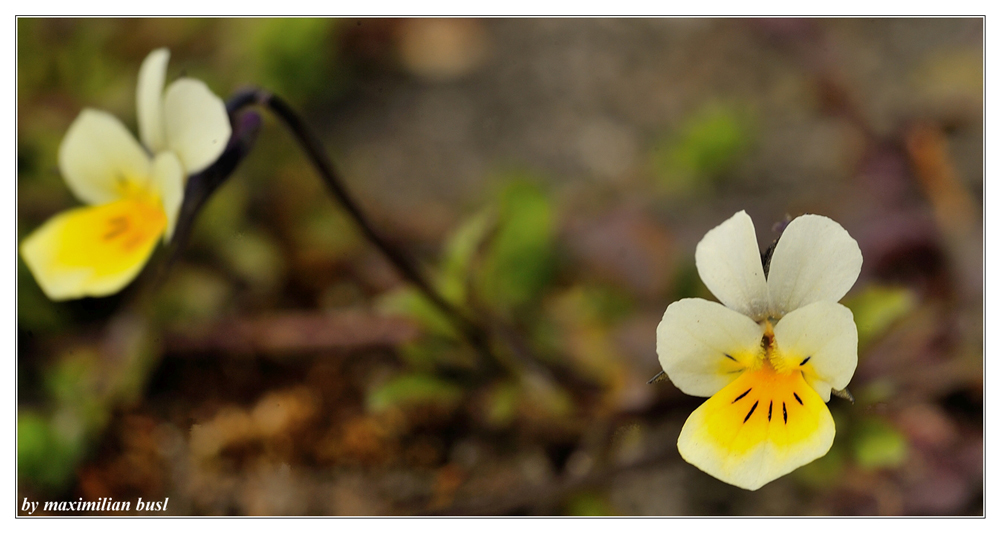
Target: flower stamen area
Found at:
x=106, y=238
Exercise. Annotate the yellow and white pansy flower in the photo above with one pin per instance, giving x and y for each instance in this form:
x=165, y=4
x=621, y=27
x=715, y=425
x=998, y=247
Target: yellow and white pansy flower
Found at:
x=134, y=192
x=770, y=356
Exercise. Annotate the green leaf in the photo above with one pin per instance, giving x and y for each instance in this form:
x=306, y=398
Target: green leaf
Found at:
x=459, y=253
x=502, y=404
x=294, y=57
x=44, y=458
x=519, y=263
x=589, y=504
x=707, y=145
x=878, y=307
x=411, y=303
x=431, y=353
x=879, y=445
x=414, y=389
x=74, y=377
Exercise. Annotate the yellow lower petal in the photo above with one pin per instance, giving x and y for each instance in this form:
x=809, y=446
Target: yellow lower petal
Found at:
x=93, y=251
x=758, y=428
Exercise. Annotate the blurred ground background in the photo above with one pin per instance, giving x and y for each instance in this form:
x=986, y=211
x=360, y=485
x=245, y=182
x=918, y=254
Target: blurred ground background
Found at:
x=554, y=175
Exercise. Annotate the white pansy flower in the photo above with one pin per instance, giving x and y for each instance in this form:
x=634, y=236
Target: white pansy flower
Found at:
x=771, y=355
x=134, y=192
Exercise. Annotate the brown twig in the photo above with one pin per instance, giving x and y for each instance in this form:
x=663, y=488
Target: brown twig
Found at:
x=293, y=333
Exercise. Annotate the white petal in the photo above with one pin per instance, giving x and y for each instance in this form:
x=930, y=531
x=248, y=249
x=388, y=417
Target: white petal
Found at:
x=149, y=99
x=197, y=125
x=168, y=180
x=823, y=336
x=728, y=262
x=99, y=156
x=703, y=346
x=816, y=259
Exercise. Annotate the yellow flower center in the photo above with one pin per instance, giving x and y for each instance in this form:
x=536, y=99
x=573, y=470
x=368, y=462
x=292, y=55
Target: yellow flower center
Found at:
x=770, y=354
x=761, y=404
x=114, y=236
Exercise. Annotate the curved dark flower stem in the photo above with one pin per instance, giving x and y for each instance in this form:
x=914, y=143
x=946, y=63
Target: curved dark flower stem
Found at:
x=473, y=332
x=500, y=347
x=201, y=186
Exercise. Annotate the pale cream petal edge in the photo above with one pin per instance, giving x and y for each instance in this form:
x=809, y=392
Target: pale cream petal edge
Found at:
x=815, y=260
x=98, y=156
x=703, y=345
x=149, y=99
x=168, y=179
x=825, y=333
x=729, y=264
x=197, y=125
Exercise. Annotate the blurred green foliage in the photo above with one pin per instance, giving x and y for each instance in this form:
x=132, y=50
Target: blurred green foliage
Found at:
x=582, y=318
x=223, y=216
x=51, y=443
x=505, y=259
x=44, y=455
x=878, y=390
x=192, y=294
x=707, y=145
x=589, y=504
x=519, y=261
x=544, y=400
x=409, y=390
x=254, y=256
x=878, y=445
x=877, y=307
x=604, y=304
x=501, y=258
x=326, y=231
x=503, y=402
x=459, y=256
x=296, y=58
x=82, y=62
x=410, y=302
